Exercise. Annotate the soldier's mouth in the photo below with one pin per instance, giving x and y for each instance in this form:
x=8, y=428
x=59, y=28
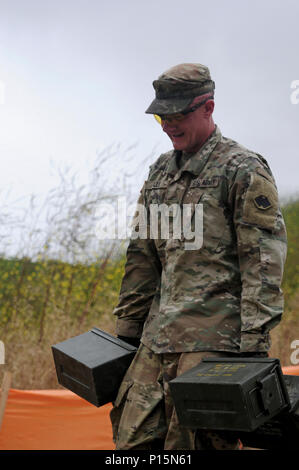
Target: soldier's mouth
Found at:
x=177, y=136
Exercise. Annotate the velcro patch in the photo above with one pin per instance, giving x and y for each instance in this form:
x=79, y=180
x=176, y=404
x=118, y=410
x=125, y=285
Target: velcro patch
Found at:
x=261, y=202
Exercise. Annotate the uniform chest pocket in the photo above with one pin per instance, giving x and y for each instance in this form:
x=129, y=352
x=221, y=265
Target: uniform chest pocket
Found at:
x=192, y=219
x=154, y=192
x=216, y=225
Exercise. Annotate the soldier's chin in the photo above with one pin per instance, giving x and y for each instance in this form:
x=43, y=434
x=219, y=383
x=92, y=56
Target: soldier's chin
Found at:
x=178, y=143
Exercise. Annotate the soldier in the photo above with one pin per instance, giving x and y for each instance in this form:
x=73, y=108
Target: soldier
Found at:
x=181, y=302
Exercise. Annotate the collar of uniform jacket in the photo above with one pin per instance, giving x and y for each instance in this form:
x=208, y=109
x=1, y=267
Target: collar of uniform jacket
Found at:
x=198, y=160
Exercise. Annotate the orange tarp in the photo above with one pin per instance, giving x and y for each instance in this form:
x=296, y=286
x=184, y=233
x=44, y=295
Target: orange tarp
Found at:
x=59, y=419
x=54, y=420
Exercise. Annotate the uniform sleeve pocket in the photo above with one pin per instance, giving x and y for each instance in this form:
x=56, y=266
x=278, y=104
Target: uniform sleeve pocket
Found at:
x=122, y=392
x=118, y=405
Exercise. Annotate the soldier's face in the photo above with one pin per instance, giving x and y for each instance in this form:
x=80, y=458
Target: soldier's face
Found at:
x=190, y=133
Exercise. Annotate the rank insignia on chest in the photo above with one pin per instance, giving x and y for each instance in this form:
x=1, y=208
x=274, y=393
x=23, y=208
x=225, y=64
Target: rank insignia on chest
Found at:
x=262, y=202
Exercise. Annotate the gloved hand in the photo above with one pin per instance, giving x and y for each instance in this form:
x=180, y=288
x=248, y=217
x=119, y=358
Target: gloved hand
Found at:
x=247, y=354
x=254, y=354
x=133, y=341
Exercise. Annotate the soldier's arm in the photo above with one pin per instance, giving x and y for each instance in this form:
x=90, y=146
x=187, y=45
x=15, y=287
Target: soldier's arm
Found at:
x=262, y=247
x=139, y=284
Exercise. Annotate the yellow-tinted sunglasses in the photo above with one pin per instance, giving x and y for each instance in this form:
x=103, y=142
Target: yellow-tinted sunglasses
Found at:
x=168, y=118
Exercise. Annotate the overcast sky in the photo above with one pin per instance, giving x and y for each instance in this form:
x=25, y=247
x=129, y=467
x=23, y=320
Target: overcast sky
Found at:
x=76, y=76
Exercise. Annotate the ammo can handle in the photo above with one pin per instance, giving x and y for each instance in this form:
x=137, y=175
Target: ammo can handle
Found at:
x=271, y=394
x=113, y=340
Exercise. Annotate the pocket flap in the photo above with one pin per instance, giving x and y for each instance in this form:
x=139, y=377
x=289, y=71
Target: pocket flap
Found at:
x=123, y=389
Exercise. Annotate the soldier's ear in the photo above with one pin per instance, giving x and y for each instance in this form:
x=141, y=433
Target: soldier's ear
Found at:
x=209, y=107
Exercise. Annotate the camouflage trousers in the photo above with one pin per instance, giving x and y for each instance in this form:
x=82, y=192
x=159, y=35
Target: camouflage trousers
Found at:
x=143, y=414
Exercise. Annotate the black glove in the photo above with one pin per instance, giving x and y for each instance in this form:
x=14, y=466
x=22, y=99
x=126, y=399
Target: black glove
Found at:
x=254, y=354
x=247, y=354
x=132, y=341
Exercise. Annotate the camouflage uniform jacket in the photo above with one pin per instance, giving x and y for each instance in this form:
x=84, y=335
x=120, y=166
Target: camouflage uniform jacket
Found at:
x=225, y=295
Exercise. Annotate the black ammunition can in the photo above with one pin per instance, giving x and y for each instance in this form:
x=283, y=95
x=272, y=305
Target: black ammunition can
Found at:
x=234, y=394
x=92, y=365
x=282, y=431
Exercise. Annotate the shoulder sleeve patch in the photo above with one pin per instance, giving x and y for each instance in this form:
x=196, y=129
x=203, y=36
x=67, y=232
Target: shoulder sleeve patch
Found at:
x=261, y=202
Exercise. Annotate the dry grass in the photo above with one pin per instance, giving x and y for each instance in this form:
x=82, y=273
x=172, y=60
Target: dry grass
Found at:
x=31, y=361
x=285, y=333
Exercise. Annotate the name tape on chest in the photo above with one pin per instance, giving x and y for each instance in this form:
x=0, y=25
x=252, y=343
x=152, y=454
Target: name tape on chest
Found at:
x=155, y=185
x=196, y=183
x=205, y=182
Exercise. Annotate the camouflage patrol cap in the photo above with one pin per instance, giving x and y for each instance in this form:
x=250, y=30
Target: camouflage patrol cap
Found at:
x=177, y=87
